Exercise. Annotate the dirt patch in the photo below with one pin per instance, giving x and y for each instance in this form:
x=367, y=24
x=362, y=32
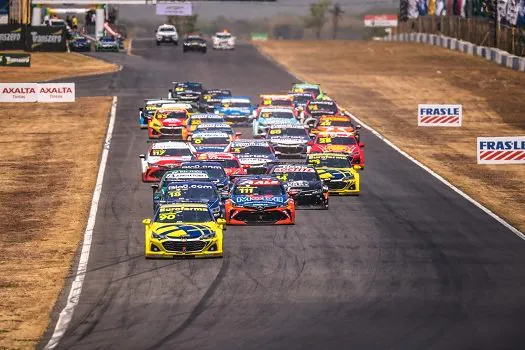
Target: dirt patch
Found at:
x=382, y=83
x=46, y=184
x=55, y=65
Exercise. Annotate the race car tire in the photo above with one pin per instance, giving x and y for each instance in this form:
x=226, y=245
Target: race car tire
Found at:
x=176, y=43
x=158, y=43
x=204, y=51
x=184, y=50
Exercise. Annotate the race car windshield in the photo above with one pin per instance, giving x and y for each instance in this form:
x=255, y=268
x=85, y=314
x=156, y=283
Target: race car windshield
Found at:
x=183, y=215
x=316, y=91
x=299, y=176
x=173, y=115
x=342, y=123
x=236, y=104
x=228, y=131
x=330, y=162
x=170, y=152
x=198, y=121
x=279, y=103
x=213, y=173
x=266, y=190
x=340, y=141
x=228, y=163
x=166, y=30
x=223, y=36
x=252, y=150
x=81, y=40
x=301, y=99
x=190, y=192
x=315, y=107
x=197, y=141
x=277, y=114
x=288, y=132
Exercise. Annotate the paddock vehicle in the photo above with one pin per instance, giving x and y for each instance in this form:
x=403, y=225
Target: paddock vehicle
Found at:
x=236, y=110
x=229, y=162
x=190, y=191
x=255, y=155
x=259, y=199
x=337, y=172
x=223, y=41
x=186, y=91
x=315, y=89
x=344, y=143
x=162, y=156
x=211, y=98
x=107, y=43
x=209, y=141
x=196, y=119
x=168, y=123
x=167, y=33
x=276, y=101
x=183, y=230
x=195, y=43
x=303, y=183
x=268, y=117
x=288, y=140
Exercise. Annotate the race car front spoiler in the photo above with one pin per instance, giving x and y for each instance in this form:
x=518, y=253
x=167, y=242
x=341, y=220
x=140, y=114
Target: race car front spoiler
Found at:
x=247, y=216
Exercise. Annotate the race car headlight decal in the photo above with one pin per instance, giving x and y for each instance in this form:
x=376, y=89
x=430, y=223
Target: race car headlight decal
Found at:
x=210, y=235
x=216, y=210
x=355, y=153
x=319, y=191
x=156, y=236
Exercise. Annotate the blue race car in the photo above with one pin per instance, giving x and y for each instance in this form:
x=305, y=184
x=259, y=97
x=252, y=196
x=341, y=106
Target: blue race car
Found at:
x=190, y=191
x=236, y=110
x=268, y=117
x=214, y=170
x=210, y=141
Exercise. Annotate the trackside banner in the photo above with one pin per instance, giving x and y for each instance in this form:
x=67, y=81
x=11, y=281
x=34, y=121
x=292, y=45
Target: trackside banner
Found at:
x=57, y=92
x=439, y=115
x=31, y=92
x=501, y=150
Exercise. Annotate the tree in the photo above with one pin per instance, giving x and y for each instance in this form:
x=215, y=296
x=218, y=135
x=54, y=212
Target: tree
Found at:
x=317, y=17
x=336, y=14
x=184, y=24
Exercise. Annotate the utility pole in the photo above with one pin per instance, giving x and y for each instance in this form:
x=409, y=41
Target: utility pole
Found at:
x=336, y=12
x=496, y=25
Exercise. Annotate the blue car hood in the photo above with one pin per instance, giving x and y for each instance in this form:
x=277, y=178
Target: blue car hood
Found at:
x=179, y=231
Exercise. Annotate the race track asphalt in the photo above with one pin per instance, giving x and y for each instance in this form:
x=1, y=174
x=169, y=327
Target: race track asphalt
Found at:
x=409, y=264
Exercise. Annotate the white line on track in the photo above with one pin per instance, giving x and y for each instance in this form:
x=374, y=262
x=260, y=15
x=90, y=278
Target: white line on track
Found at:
x=76, y=287
x=409, y=157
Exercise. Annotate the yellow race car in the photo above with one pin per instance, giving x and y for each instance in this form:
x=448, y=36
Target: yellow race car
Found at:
x=337, y=172
x=183, y=230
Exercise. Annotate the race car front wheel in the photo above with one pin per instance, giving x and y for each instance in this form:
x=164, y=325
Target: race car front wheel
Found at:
x=158, y=43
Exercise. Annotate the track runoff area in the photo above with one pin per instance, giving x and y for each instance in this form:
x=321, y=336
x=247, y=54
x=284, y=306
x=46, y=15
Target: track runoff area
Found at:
x=367, y=264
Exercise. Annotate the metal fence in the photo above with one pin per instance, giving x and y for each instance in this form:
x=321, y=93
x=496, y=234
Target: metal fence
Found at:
x=476, y=31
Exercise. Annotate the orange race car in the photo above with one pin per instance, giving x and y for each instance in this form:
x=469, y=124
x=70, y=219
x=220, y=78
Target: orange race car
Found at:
x=335, y=123
x=168, y=123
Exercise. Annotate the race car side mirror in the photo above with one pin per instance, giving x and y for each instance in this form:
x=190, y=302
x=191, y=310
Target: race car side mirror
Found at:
x=155, y=186
x=361, y=144
x=142, y=156
x=219, y=186
x=238, y=133
x=141, y=109
x=327, y=180
x=310, y=143
x=357, y=167
x=146, y=222
x=358, y=126
x=221, y=221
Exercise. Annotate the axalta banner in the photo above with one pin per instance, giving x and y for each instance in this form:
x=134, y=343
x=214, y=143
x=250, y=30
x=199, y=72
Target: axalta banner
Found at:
x=439, y=115
x=32, y=92
x=501, y=150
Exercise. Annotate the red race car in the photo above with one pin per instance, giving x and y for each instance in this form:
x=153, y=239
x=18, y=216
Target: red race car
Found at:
x=259, y=199
x=231, y=164
x=339, y=143
x=162, y=156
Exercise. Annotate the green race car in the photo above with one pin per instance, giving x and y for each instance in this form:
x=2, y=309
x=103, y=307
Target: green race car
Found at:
x=107, y=43
x=310, y=87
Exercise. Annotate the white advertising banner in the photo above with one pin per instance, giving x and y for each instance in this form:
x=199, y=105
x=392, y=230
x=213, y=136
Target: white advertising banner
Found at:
x=32, y=92
x=18, y=92
x=439, y=115
x=56, y=92
x=174, y=9
x=501, y=150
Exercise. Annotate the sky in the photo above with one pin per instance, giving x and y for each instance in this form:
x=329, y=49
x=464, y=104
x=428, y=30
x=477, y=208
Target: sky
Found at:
x=252, y=9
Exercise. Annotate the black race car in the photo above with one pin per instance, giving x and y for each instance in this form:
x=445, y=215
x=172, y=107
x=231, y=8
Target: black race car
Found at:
x=303, y=184
x=195, y=43
x=212, y=97
x=188, y=91
x=80, y=43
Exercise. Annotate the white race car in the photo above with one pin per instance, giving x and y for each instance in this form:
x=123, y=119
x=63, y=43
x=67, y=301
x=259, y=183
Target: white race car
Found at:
x=223, y=41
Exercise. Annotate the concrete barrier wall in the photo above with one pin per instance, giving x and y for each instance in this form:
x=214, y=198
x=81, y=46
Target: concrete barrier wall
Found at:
x=489, y=53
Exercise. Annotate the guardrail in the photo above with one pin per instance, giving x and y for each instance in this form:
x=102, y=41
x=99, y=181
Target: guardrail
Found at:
x=474, y=30
x=492, y=54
